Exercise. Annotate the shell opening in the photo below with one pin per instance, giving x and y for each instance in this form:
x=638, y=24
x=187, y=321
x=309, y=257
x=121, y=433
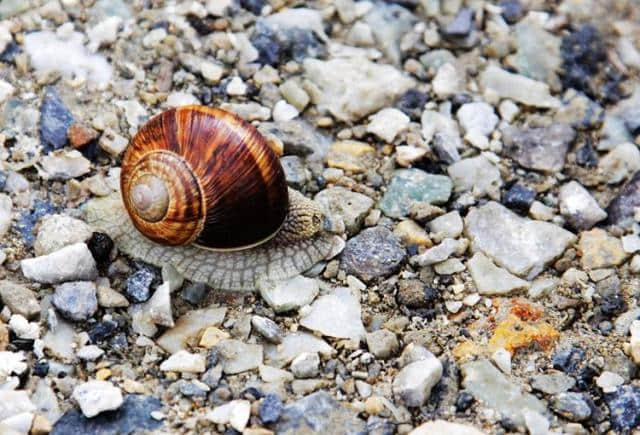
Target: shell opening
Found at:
x=150, y=197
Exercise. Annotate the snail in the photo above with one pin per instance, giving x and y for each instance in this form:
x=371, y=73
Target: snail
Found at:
x=202, y=190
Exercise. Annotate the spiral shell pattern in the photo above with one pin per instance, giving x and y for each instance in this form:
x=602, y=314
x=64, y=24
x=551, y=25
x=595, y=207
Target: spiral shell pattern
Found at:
x=225, y=187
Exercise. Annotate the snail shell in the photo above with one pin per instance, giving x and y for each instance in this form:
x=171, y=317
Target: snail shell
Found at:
x=202, y=175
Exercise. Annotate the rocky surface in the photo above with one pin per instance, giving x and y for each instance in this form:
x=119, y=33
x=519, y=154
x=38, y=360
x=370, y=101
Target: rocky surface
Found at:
x=478, y=159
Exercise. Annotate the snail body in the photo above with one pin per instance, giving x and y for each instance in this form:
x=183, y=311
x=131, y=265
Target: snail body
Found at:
x=201, y=190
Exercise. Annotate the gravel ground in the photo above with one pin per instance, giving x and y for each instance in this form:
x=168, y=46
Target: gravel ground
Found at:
x=480, y=160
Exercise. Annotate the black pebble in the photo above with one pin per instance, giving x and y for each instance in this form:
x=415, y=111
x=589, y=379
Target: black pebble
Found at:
x=519, y=198
x=102, y=331
x=253, y=6
x=100, y=245
x=568, y=360
x=194, y=293
x=464, y=401
x=41, y=368
x=583, y=53
x=412, y=102
x=586, y=156
x=613, y=305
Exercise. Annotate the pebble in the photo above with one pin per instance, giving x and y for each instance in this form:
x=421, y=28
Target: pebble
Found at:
x=519, y=198
x=445, y=427
x=290, y=294
x=158, y=307
x=267, y=328
x=81, y=135
x=542, y=148
x=580, y=111
x=578, y=206
x=413, y=383
x=95, y=397
x=477, y=175
x=283, y=111
x=109, y=298
x=624, y=407
x=295, y=94
x=351, y=155
x=572, y=406
x=139, y=286
x=486, y=383
x=134, y=415
x=189, y=325
x=491, y=279
x=387, y=124
x=552, y=383
x=19, y=299
x=409, y=185
x=212, y=336
x=274, y=375
x=6, y=91
x=350, y=89
x=22, y=328
x=293, y=345
x=521, y=245
x=71, y=263
x=322, y=413
x=517, y=87
x=211, y=72
x=609, y=381
x=440, y=252
x=600, y=250
x=184, y=362
x=389, y=24
x=448, y=225
x=350, y=207
x=6, y=206
x=63, y=165
x=112, y=143
x=461, y=25
x=407, y=155
x=620, y=163
x=237, y=356
x=14, y=402
x=177, y=99
x=90, y=352
x=55, y=117
x=374, y=252
x=270, y=409
x=412, y=234
x=235, y=413
x=57, y=231
x=76, y=300
x=477, y=117
x=448, y=81
x=536, y=423
x=382, y=343
x=336, y=314
x=305, y=365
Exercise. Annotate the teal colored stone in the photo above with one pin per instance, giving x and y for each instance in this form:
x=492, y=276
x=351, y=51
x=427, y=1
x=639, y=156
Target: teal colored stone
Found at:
x=411, y=185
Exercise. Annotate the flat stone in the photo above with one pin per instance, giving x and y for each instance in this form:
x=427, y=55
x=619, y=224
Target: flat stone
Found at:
x=621, y=209
x=293, y=345
x=552, y=383
x=382, y=343
x=413, y=383
x=600, y=250
x=71, y=263
x=624, y=407
x=353, y=88
x=55, y=119
x=521, y=245
x=517, y=87
x=290, y=294
x=448, y=81
x=336, y=314
x=440, y=252
x=572, y=406
x=238, y=357
x=305, y=365
x=413, y=185
x=373, y=253
x=63, y=165
x=57, y=231
x=95, y=397
x=349, y=206
x=542, y=148
x=19, y=299
x=448, y=225
x=491, y=279
x=620, y=163
x=184, y=362
x=351, y=155
x=477, y=175
x=267, y=328
x=577, y=205
x=477, y=117
x=76, y=300
x=487, y=384
x=236, y=413
x=387, y=124
x=189, y=325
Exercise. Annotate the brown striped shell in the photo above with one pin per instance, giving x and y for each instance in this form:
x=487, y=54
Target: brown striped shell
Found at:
x=202, y=175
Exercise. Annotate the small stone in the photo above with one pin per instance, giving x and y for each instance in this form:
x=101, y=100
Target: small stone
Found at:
x=491, y=279
x=267, y=328
x=440, y=252
x=407, y=155
x=189, y=325
x=238, y=357
x=476, y=175
x=409, y=185
x=55, y=120
x=537, y=423
x=517, y=87
x=521, y=245
x=235, y=413
x=349, y=206
x=413, y=383
x=630, y=243
x=236, y=87
x=609, y=381
x=448, y=225
x=19, y=299
x=461, y=25
x=336, y=314
x=6, y=91
x=6, y=206
x=211, y=72
x=139, y=286
x=73, y=262
x=553, y=383
x=290, y=294
x=351, y=155
x=184, y=362
x=295, y=94
x=543, y=149
x=382, y=343
x=374, y=405
x=372, y=253
x=95, y=397
x=81, y=135
x=413, y=293
x=293, y=345
x=158, y=306
x=57, y=231
x=599, y=250
x=273, y=374
x=212, y=336
x=508, y=110
x=448, y=81
x=387, y=124
x=109, y=298
x=620, y=163
x=624, y=407
x=579, y=208
x=412, y=234
x=112, y=143
x=477, y=117
x=63, y=165
x=77, y=300
x=519, y=198
x=572, y=406
x=305, y=365
x=270, y=409
x=283, y=111
x=90, y=352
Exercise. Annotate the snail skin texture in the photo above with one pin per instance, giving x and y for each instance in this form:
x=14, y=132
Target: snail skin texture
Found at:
x=202, y=191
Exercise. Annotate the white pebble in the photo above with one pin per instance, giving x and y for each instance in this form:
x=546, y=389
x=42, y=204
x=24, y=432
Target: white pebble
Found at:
x=94, y=397
x=236, y=87
x=283, y=111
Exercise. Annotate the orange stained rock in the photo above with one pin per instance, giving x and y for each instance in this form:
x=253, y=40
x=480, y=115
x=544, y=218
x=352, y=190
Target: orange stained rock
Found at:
x=513, y=333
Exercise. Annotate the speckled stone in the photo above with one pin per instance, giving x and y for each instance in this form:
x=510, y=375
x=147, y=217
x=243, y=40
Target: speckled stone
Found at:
x=411, y=185
x=373, y=253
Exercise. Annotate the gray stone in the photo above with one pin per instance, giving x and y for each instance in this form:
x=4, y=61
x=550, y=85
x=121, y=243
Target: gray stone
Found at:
x=577, y=205
x=299, y=138
x=77, y=300
x=305, y=365
x=336, y=314
x=620, y=163
x=267, y=328
x=487, y=384
x=621, y=209
x=95, y=397
x=517, y=87
x=553, y=383
x=414, y=185
x=373, y=253
x=290, y=294
x=237, y=357
x=389, y=24
x=382, y=343
x=293, y=345
x=477, y=175
x=461, y=25
x=6, y=207
x=479, y=117
x=543, y=149
x=491, y=279
x=579, y=111
x=349, y=206
x=413, y=383
x=73, y=262
x=295, y=171
x=439, y=253
x=572, y=406
x=521, y=245
x=19, y=299
x=448, y=225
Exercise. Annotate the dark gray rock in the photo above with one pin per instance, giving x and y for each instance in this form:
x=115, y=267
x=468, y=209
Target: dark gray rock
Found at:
x=319, y=413
x=624, y=407
x=138, y=286
x=76, y=300
x=512, y=11
x=568, y=360
x=543, y=149
x=134, y=416
x=621, y=209
x=299, y=137
x=55, y=120
x=28, y=220
x=572, y=406
x=271, y=408
x=373, y=253
x=294, y=171
x=552, y=383
x=461, y=25
x=194, y=293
